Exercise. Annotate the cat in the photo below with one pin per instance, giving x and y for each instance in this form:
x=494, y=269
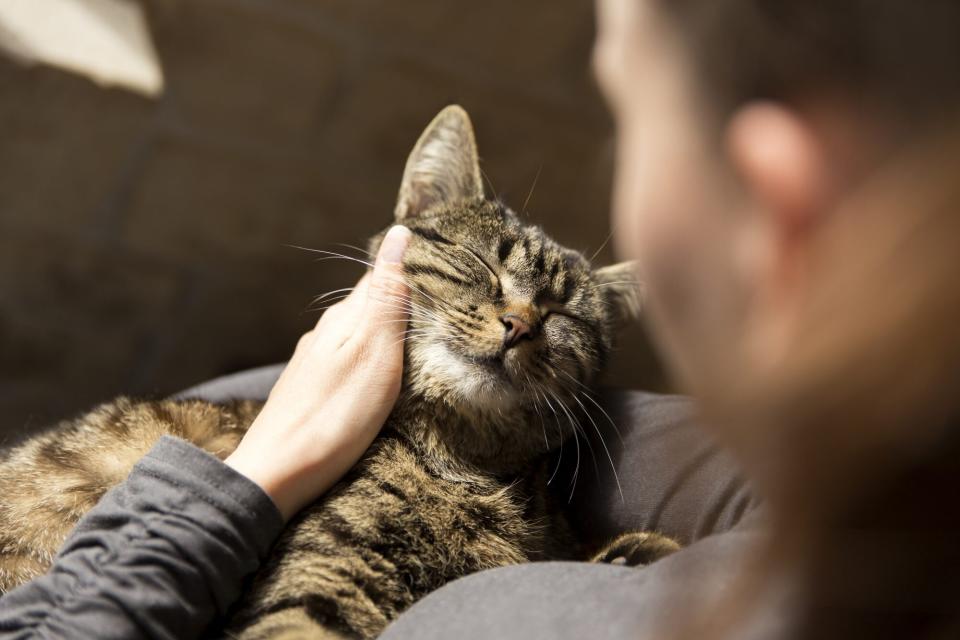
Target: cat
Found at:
x=507, y=330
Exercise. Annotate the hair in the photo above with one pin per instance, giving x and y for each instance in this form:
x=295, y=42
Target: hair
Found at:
x=862, y=425
x=898, y=56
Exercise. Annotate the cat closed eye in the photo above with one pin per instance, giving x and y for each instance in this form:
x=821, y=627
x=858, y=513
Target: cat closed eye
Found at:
x=555, y=308
x=486, y=265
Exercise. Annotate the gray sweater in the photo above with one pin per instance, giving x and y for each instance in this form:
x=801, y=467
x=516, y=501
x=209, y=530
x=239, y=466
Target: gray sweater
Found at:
x=161, y=556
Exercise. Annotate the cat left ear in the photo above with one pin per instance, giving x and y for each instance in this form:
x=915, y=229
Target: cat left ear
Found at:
x=621, y=289
x=443, y=166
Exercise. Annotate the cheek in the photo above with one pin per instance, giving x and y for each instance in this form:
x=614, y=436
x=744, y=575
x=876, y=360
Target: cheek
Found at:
x=658, y=216
x=672, y=215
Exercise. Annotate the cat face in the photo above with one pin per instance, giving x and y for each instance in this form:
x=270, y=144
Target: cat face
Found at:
x=501, y=316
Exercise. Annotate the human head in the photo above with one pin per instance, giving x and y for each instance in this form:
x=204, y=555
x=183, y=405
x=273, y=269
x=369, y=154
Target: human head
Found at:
x=787, y=181
x=750, y=136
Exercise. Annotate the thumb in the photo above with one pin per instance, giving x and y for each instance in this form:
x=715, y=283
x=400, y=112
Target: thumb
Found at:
x=387, y=294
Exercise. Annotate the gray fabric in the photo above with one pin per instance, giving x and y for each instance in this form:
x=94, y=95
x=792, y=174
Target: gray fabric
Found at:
x=674, y=479
x=577, y=601
x=161, y=556
x=253, y=384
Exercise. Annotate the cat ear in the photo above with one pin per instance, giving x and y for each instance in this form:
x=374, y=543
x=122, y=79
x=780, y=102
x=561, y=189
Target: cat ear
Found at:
x=443, y=166
x=621, y=290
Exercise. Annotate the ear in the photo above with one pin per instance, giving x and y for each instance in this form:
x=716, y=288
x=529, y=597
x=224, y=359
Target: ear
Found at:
x=443, y=166
x=622, y=291
x=789, y=177
x=783, y=163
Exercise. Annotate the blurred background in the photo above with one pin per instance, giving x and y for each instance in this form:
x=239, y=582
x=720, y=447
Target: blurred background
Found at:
x=144, y=218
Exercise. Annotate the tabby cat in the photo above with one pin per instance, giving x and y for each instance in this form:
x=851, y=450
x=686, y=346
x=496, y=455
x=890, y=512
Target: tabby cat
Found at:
x=507, y=328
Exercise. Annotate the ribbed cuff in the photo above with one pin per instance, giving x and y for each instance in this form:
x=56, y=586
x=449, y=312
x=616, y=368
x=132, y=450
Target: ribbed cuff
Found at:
x=207, y=477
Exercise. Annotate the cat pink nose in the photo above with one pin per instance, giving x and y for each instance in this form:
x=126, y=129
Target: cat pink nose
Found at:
x=516, y=329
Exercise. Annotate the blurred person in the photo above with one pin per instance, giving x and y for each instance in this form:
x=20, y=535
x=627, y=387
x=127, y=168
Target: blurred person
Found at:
x=787, y=180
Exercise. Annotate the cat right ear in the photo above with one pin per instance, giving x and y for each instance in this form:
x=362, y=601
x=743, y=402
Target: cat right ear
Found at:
x=622, y=291
x=443, y=166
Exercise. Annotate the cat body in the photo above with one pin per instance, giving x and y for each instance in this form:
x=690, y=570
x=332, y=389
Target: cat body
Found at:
x=49, y=482
x=400, y=525
x=507, y=330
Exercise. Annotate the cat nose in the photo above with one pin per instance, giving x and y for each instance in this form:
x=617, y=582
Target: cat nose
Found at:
x=515, y=330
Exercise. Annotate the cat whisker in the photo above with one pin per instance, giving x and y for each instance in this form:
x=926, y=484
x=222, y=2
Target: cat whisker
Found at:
x=332, y=255
x=536, y=403
x=406, y=303
x=394, y=321
x=402, y=340
x=332, y=302
x=603, y=443
x=587, y=393
x=576, y=441
x=575, y=422
x=418, y=319
x=356, y=248
x=413, y=333
x=536, y=179
x=612, y=284
x=605, y=243
x=489, y=181
x=434, y=335
x=577, y=430
x=322, y=296
x=606, y=415
x=546, y=440
x=414, y=311
x=439, y=303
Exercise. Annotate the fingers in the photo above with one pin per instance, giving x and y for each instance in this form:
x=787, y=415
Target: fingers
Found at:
x=375, y=311
x=341, y=320
x=386, y=306
x=357, y=299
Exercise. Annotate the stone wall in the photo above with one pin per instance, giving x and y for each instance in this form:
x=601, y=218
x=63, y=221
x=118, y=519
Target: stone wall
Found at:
x=145, y=243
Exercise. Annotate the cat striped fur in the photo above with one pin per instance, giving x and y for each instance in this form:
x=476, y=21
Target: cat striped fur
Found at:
x=507, y=332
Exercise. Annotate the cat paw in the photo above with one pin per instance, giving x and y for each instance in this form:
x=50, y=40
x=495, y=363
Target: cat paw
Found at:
x=636, y=549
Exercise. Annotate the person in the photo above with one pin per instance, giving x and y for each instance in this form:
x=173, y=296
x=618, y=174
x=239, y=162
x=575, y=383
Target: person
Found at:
x=786, y=179
x=165, y=552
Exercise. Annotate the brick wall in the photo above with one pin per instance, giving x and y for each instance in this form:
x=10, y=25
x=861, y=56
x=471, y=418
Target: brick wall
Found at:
x=143, y=242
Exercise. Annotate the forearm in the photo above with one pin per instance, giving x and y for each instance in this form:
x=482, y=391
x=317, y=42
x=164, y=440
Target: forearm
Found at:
x=160, y=556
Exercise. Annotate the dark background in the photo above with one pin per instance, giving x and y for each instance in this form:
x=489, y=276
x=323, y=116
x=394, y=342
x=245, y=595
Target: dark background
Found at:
x=142, y=241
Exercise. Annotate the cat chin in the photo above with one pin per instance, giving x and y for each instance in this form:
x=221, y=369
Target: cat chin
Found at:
x=473, y=385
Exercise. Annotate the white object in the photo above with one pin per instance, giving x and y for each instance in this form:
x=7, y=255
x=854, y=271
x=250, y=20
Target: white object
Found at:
x=105, y=40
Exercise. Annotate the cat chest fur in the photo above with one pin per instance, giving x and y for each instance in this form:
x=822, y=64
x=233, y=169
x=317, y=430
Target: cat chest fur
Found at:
x=392, y=531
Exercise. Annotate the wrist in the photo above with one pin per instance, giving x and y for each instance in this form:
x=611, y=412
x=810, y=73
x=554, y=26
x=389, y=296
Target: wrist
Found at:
x=259, y=472
x=290, y=478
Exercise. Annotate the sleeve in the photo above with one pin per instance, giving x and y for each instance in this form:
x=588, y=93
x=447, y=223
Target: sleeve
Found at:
x=160, y=556
x=647, y=462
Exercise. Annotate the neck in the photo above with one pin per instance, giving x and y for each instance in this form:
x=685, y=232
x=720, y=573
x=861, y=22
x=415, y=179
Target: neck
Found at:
x=467, y=438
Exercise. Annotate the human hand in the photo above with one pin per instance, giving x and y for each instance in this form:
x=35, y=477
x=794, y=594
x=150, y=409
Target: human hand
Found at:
x=335, y=393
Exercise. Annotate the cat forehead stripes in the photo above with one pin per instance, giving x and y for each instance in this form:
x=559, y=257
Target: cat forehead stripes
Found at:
x=500, y=314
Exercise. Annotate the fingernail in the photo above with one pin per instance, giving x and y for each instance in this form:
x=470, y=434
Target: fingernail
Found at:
x=394, y=244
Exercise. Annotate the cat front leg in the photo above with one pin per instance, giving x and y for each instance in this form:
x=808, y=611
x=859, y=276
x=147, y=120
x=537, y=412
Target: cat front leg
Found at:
x=636, y=549
x=295, y=623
